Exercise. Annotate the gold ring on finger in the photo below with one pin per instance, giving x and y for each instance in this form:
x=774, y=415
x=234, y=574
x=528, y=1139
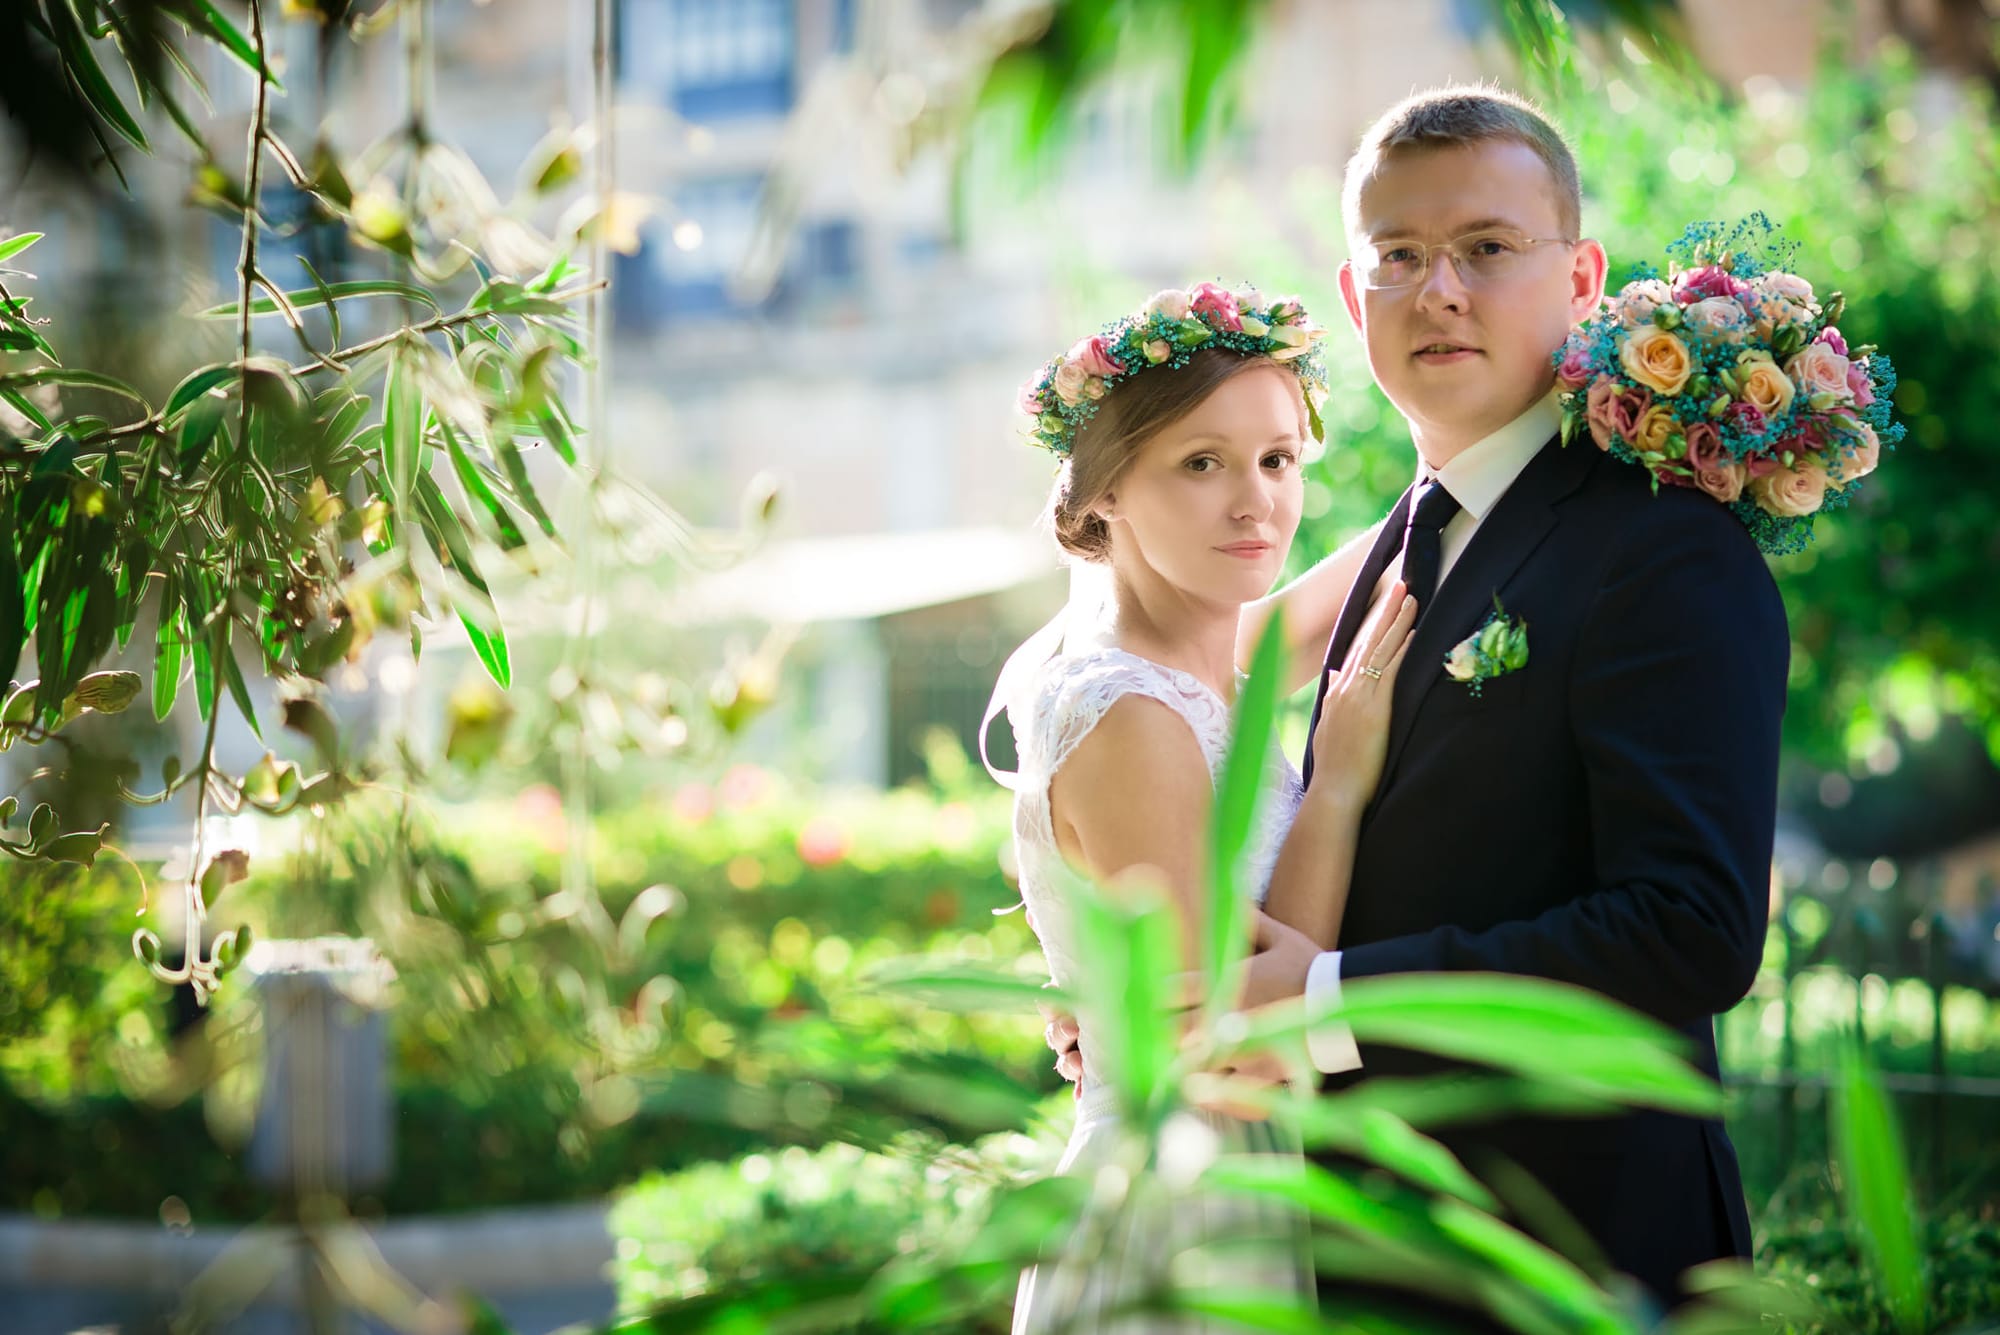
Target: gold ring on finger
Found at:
x=1372, y=673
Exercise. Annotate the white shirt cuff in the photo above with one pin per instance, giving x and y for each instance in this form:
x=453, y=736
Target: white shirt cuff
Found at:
x=1330, y=1043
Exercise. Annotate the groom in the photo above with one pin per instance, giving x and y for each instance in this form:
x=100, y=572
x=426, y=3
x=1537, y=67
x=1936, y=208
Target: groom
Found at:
x=1604, y=815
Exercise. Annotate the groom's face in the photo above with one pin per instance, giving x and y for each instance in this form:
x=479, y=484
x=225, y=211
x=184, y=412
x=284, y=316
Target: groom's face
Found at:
x=1461, y=354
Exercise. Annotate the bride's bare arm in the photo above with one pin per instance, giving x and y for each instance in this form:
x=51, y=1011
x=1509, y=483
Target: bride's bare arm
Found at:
x=1312, y=605
x=1133, y=798
x=1310, y=882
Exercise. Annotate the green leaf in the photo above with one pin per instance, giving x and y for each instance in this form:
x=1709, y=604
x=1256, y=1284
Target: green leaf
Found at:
x=489, y=641
x=81, y=65
x=476, y=489
x=207, y=17
x=522, y=487
x=81, y=846
x=13, y=601
x=969, y=989
x=1134, y=947
x=491, y=646
x=557, y=433
x=26, y=406
x=232, y=675
x=1233, y=817
x=169, y=658
x=402, y=436
x=14, y=245
x=1572, y=1038
x=198, y=429
x=65, y=375
x=325, y=294
x=196, y=386
x=1875, y=1186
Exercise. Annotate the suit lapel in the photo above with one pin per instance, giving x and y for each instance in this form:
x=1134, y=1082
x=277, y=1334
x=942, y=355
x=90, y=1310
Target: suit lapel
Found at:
x=1361, y=594
x=1503, y=541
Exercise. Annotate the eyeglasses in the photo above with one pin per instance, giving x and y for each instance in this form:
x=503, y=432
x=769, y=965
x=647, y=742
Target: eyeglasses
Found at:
x=1485, y=256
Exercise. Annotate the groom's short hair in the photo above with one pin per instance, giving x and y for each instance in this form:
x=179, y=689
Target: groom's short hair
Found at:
x=1456, y=117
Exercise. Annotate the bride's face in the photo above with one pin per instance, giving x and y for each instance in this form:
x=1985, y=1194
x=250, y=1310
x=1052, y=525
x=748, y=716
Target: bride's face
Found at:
x=1210, y=503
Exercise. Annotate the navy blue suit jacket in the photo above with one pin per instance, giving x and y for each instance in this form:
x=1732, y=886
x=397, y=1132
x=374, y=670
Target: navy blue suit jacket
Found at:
x=1603, y=816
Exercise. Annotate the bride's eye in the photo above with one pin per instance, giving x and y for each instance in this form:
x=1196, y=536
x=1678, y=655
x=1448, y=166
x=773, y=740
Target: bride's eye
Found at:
x=1280, y=459
x=1201, y=463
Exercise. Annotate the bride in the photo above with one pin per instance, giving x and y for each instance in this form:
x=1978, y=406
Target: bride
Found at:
x=1180, y=432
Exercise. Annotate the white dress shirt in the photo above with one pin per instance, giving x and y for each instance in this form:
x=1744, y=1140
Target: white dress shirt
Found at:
x=1477, y=478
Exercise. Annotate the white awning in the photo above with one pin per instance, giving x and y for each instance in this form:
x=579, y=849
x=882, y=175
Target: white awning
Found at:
x=864, y=576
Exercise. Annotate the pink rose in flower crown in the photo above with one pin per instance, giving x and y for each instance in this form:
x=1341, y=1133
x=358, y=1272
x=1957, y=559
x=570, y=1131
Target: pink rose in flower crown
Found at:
x=1791, y=492
x=1093, y=354
x=1717, y=319
x=1707, y=280
x=1859, y=385
x=1573, y=372
x=1818, y=369
x=1832, y=338
x=1636, y=304
x=1032, y=402
x=1714, y=471
x=1288, y=310
x=1219, y=304
x=1612, y=415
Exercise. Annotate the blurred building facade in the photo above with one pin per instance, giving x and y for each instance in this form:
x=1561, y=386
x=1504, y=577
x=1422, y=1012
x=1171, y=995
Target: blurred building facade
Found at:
x=803, y=298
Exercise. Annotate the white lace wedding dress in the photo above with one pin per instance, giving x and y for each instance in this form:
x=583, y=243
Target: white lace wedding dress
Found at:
x=1260, y=1244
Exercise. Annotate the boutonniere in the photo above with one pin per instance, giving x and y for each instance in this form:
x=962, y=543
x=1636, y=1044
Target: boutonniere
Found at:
x=1498, y=647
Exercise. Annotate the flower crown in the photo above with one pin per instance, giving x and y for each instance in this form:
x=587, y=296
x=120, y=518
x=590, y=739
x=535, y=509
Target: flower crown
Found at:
x=1168, y=330
x=1732, y=377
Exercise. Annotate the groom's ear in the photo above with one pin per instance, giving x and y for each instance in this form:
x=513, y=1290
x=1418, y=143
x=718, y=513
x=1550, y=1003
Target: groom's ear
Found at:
x=1587, y=273
x=1350, y=294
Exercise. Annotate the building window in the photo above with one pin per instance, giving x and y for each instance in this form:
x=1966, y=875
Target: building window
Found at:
x=713, y=59
x=669, y=280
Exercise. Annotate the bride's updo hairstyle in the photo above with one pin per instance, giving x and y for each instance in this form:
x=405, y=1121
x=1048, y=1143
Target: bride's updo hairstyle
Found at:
x=1095, y=407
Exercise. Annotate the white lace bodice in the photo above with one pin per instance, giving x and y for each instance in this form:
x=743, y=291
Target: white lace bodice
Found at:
x=1057, y=710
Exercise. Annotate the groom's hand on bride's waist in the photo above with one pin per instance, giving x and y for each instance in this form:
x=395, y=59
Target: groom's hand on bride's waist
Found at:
x=1064, y=1039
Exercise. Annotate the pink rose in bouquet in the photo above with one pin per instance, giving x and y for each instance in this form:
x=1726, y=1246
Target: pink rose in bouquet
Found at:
x=1612, y=415
x=1708, y=280
x=1859, y=385
x=1818, y=369
x=1574, y=371
x=1860, y=454
x=1717, y=319
x=1640, y=298
x=1714, y=471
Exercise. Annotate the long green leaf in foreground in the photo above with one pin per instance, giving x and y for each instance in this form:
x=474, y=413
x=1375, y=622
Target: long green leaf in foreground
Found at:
x=1875, y=1186
x=1567, y=1036
x=1233, y=818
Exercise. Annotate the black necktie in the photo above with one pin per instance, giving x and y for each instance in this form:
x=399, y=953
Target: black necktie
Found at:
x=1419, y=547
x=1422, y=543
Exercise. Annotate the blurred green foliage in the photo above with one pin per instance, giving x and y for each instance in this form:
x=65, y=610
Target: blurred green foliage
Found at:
x=765, y=1215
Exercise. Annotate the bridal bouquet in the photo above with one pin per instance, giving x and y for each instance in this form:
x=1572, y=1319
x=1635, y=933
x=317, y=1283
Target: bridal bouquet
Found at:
x=1730, y=375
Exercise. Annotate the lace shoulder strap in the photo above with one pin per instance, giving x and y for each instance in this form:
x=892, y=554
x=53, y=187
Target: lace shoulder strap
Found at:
x=1074, y=691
